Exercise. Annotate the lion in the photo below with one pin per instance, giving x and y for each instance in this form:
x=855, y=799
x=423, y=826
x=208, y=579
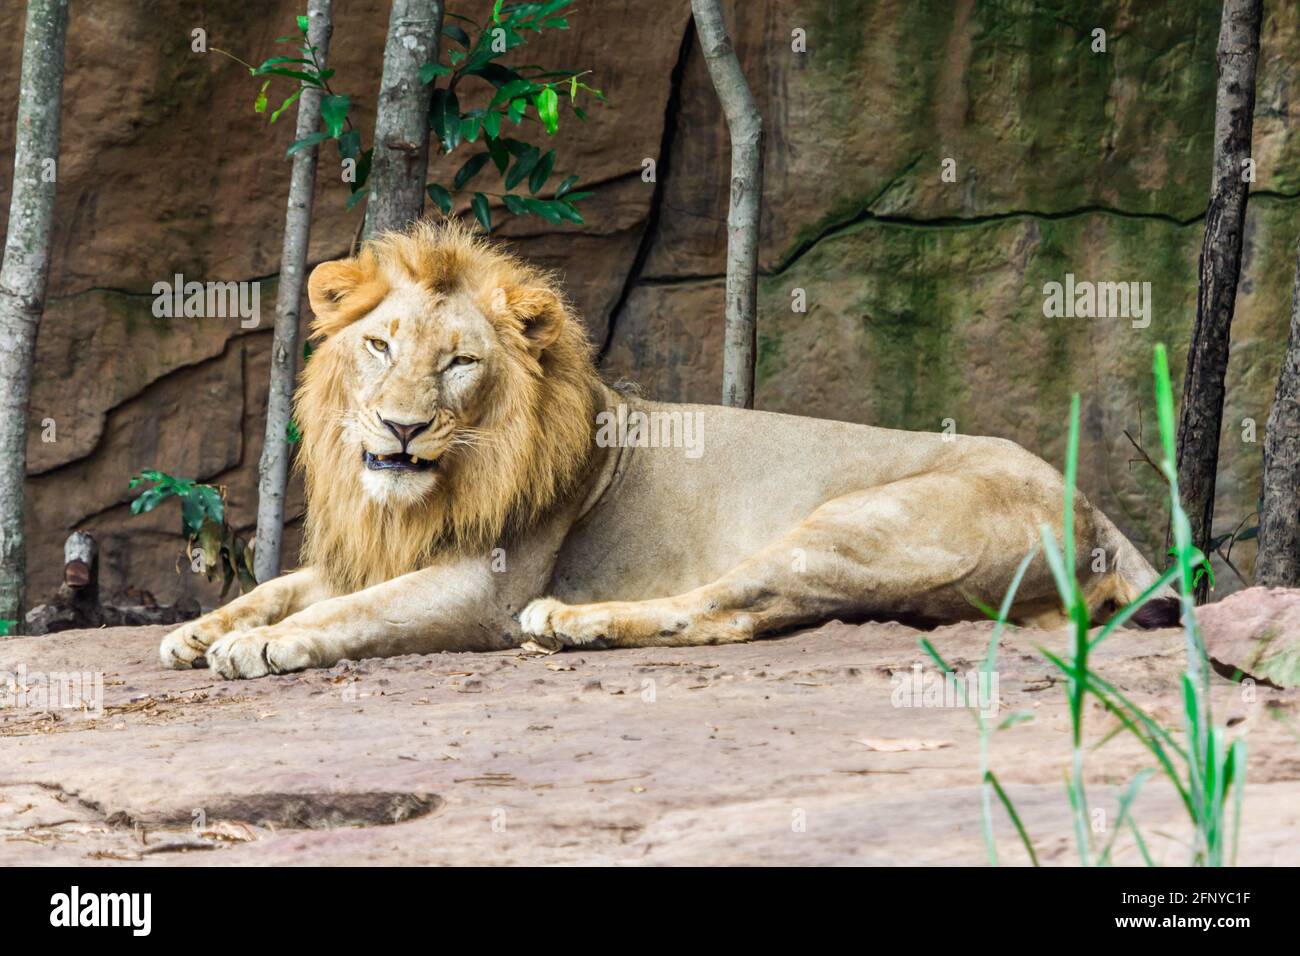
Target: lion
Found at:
x=472, y=484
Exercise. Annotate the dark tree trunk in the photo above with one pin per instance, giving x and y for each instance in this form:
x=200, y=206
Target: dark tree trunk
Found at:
x=1278, y=562
x=1201, y=420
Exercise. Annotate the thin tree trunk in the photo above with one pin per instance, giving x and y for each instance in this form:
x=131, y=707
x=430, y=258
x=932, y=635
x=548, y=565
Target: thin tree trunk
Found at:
x=745, y=127
x=401, y=161
x=24, y=272
x=1278, y=561
x=273, y=470
x=1201, y=420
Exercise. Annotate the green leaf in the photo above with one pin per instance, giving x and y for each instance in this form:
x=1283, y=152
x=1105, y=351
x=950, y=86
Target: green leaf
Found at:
x=212, y=505
x=470, y=169
x=544, y=209
x=7, y=627
x=523, y=166
x=541, y=172
x=500, y=154
x=259, y=104
x=293, y=98
x=492, y=124
x=192, y=513
x=548, y=109
x=431, y=71
x=440, y=197
x=292, y=434
x=469, y=127
x=147, y=501
x=456, y=33
x=302, y=23
x=495, y=73
x=311, y=78
x=311, y=139
x=517, y=109
x=512, y=90
x=482, y=210
x=281, y=60
x=515, y=204
x=363, y=169
x=334, y=110
x=350, y=144
x=569, y=211
x=444, y=118
x=356, y=197
x=565, y=186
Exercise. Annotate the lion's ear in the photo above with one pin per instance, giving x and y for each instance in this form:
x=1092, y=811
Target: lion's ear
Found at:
x=541, y=314
x=333, y=291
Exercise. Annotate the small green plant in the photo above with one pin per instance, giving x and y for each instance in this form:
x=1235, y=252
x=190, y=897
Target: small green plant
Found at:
x=1208, y=770
x=210, y=542
x=522, y=93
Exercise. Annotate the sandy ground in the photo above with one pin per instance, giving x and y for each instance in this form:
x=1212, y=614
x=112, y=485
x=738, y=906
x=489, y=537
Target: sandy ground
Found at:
x=782, y=751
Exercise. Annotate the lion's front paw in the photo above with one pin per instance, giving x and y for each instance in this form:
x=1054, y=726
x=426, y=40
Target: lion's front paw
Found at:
x=553, y=623
x=259, y=652
x=184, y=647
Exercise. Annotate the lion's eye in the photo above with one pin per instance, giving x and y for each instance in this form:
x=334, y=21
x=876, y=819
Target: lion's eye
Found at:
x=377, y=345
x=464, y=360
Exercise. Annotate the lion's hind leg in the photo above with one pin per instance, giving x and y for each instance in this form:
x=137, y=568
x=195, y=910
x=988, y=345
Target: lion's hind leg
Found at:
x=886, y=550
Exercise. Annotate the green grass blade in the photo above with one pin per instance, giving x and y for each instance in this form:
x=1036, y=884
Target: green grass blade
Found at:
x=1096, y=686
x=991, y=655
x=1015, y=817
x=1071, y=480
x=1141, y=844
x=1125, y=802
x=934, y=654
x=1238, y=778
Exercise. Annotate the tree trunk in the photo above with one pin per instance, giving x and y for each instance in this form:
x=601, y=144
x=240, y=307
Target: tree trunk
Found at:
x=273, y=470
x=24, y=272
x=1201, y=420
x=401, y=161
x=1278, y=561
x=745, y=127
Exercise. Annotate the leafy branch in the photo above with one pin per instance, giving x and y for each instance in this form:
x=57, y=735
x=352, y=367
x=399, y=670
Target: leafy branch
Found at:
x=210, y=542
x=522, y=93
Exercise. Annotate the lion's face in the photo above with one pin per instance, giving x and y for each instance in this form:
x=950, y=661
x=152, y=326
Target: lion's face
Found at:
x=451, y=395
x=419, y=373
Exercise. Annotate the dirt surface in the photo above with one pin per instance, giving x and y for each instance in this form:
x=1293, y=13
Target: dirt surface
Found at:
x=787, y=751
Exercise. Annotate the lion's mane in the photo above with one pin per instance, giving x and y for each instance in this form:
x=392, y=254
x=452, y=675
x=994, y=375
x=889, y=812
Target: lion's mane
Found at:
x=529, y=449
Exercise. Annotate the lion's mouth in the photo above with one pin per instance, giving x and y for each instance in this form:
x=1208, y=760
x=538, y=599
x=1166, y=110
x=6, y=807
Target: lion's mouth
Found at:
x=397, y=462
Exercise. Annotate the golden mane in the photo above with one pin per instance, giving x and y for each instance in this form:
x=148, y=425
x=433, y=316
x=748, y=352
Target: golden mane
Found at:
x=533, y=444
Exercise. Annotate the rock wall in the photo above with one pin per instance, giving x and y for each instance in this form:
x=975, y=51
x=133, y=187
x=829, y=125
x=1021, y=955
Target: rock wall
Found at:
x=923, y=297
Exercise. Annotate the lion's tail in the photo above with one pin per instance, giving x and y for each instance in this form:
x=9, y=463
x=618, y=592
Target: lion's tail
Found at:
x=1129, y=575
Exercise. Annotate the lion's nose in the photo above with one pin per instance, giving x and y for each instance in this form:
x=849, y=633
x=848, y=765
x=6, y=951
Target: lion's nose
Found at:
x=403, y=432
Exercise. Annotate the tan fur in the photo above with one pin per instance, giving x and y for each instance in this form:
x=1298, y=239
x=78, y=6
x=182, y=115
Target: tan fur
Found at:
x=530, y=526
